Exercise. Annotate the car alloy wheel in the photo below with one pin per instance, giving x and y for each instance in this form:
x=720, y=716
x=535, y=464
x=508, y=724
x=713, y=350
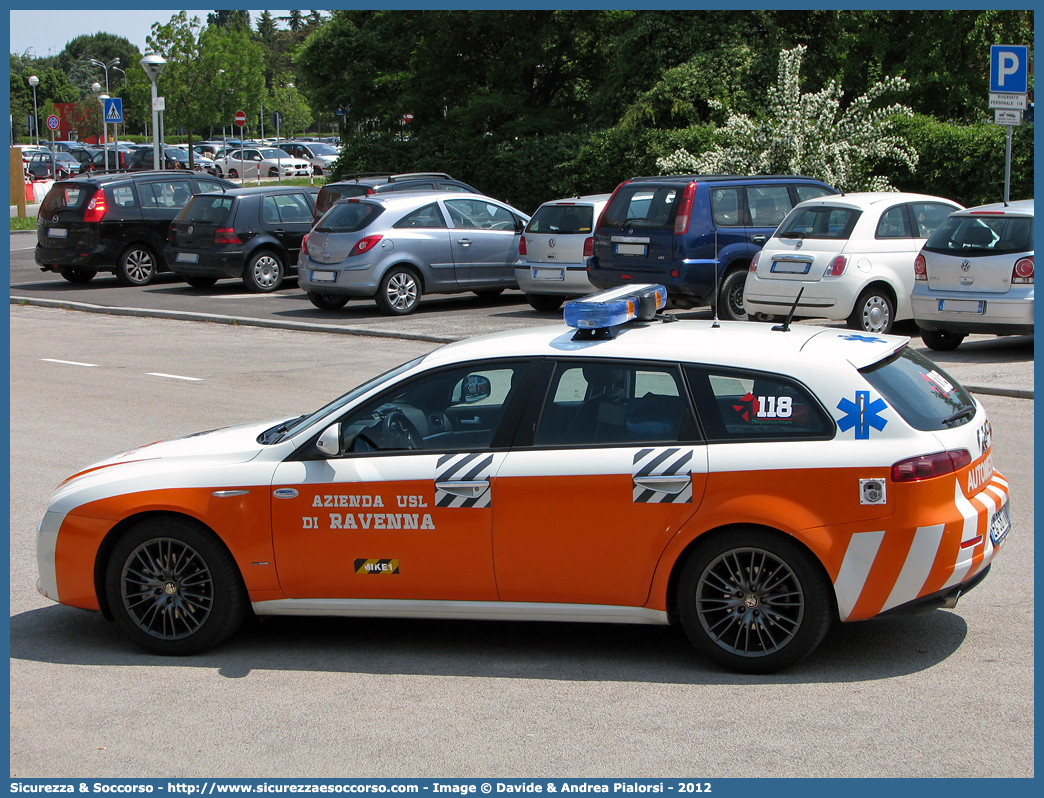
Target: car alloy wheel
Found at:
x=399, y=292
x=137, y=266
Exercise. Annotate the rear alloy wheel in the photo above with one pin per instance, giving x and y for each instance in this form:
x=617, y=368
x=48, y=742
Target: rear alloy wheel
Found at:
x=264, y=272
x=136, y=266
x=874, y=312
x=174, y=587
x=78, y=275
x=754, y=600
x=545, y=302
x=201, y=282
x=730, y=296
x=941, y=341
x=399, y=292
x=328, y=301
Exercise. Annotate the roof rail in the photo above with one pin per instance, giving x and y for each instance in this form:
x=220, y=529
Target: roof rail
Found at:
x=357, y=175
x=412, y=175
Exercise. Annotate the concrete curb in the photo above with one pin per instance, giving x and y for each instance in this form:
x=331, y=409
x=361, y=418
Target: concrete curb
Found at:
x=177, y=315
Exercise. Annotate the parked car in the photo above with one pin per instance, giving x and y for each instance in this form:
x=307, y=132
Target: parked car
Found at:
x=553, y=250
x=396, y=247
x=269, y=161
x=320, y=156
x=975, y=275
x=53, y=165
x=113, y=222
x=119, y=158
x=695, y=234
x=753, y=486
x=851, y=256
x=250, y=233
x=363, y=183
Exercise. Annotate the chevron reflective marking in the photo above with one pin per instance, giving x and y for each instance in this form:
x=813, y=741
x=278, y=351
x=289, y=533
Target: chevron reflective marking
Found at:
x=661, y=463
x=917, y=566
x=463, y=468
x=859, y=557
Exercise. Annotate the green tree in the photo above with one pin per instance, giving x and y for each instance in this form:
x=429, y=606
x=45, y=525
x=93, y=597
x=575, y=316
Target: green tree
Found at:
x=809, y=134
x=288, y=100
x=230, y=19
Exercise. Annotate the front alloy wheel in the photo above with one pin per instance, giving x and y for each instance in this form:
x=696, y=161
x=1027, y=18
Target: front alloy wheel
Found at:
x=137, y=266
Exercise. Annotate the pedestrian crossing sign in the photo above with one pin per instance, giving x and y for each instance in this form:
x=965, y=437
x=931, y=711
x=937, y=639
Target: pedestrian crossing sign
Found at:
x=114, y=110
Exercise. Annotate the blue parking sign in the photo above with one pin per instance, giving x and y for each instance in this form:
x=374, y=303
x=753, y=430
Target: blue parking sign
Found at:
x=113, y=111
x=1009, y=69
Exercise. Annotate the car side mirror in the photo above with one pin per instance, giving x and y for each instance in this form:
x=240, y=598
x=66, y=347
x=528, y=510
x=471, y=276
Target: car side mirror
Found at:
x=329, y=442
x=473, y=388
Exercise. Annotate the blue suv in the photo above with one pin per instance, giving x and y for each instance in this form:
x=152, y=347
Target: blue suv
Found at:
x=673, y=229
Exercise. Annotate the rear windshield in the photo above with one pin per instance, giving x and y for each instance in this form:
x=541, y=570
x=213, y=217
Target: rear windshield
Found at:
x=643, y=206
x=918, y=390
x=819, y=222
x=562, y=219
x=982, y=235
x=348, y=217
x=328, y=195
x=65, y=197
x=207, y=209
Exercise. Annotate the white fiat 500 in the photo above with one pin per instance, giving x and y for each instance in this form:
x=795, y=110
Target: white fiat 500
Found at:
x=975, y=275
x=750, y=483
x=850, y=255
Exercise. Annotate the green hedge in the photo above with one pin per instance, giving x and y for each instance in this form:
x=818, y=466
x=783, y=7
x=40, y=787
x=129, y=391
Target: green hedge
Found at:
x=963, y=163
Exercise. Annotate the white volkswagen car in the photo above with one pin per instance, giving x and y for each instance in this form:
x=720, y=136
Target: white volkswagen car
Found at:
x=975, y=275
x=850, y=255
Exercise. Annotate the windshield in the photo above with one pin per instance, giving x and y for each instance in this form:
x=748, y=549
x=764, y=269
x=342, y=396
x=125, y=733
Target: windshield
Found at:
x=819, y=221
x=982, y=235
x=288, y=429
x=918, y=390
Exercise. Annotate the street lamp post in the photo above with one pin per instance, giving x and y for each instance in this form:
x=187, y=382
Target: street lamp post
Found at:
x=34, y=82
x=153, y=66
x=105, y=124
x=96, y=88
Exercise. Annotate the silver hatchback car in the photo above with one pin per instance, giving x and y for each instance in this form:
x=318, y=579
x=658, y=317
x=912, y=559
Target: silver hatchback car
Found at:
x=395, y=248
x=553, y=251
x=975, y=275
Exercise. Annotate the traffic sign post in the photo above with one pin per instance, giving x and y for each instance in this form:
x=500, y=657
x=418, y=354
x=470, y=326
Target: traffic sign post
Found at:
x=240, y=118
x=1009, y=85
x=52, y=123
x=112, y=108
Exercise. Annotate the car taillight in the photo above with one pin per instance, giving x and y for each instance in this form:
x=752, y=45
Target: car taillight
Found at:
x=930, y=465
x=588, y=247
x=522, y=246
x=364, y=245
x=96, y=207
x=920, y=268
x=226, y=235
x=370, y=191
x=1023, y=271
x=681, y=220
x=304, y=244
x=754, y=263
x=837, y=266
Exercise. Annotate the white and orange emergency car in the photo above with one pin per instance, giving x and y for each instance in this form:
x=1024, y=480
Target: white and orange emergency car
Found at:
x=750, y=482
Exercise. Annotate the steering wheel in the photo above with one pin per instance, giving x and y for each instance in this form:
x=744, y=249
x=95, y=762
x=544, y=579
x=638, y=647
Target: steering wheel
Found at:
x=398, y=432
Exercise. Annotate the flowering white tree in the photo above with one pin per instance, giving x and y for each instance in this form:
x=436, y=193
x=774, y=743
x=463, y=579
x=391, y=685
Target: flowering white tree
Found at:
x=808, y=134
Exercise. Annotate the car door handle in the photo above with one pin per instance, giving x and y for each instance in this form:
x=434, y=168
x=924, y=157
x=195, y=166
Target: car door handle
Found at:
x=670, y=485
x=758, y=238
x=469, y=489
x=464, y=242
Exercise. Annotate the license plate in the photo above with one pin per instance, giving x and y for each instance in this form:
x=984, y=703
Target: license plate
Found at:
x=1000, y=524
x=631, y=249
x=57, y=232
x=962, y=306
x=549, y=274
x=790, y=267
x=187, y=257
x=324, y=277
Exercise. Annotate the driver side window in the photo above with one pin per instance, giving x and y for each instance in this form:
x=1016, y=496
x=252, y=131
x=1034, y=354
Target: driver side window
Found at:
x=457, y=409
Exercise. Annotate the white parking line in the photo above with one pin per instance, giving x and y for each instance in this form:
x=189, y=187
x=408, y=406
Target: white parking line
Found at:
x=70, y=362
x=174, y=376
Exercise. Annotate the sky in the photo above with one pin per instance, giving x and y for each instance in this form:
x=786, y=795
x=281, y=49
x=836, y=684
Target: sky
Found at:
x=47, y=32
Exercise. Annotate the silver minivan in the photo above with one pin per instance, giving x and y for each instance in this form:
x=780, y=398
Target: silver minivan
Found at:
x=553, y=250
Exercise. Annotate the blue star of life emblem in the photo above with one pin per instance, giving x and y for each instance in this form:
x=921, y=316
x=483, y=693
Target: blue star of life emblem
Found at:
x=862, y=414
x=866, y=339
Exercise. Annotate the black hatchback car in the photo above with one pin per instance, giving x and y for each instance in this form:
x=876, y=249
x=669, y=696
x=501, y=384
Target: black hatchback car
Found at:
x=113, y=222
x=253, y=233
x=380, y=182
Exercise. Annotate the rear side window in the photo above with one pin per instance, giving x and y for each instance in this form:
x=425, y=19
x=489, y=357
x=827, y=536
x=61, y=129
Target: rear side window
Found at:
x=821, y=221
x=349, y=217
x=65, y=197
x=929, y=216
x=562, y=219
x=123, y=196
x=286, y=209
x=165, y=194
x=427, y=217
x=923, y=394
x=208, y=185
x=642, y=207
x=893, y=224
x=982, y=235
x=726, y=207
x=208, y=209
x=768, y=205
x=737, y=406
x=806, y=192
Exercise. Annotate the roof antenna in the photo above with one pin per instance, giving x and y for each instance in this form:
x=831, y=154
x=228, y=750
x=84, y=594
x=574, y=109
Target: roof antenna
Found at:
x=714, y=299
x=785, y=326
